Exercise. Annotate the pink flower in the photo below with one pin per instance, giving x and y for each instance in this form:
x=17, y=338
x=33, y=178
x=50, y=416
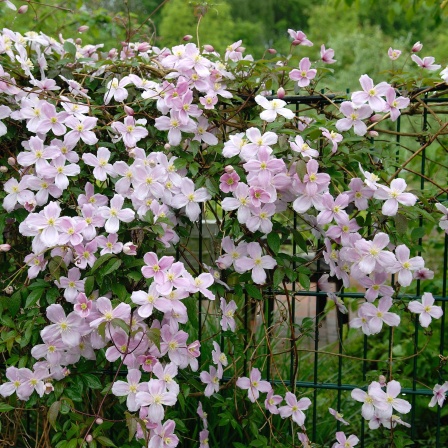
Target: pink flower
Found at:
x=115, y=213
x=372, y=254
x=303, y=148
x=371, y=94
x=294, y=408
x=101, y=164
x=155, y=267
x=253, y=384
x=155, y=397
x=190, y=199
x=110, y=245
x=83, y=305
x=385, y=402
x=394, y=195
x=272, y=401
x=344, y=442
x=273, y=108
x=129, y=389
x=107, y=312
x=368, y=407
x=326, y=55
x=255, y=262
x=211, y=380
x=405, y=265
x=337, y=416
x=304, y=74
x=332, y=137
x=229, y=182
x=439, y=394
x=354, y=114
x=426, y=309
x=393, y=54
x=116, y=89
x=130, y=132
x=427, y=62
x=417, y=47
x=394, y=104
x=81, y=130
x=379, y=315
x=72, y=284
x=299, y=38
x=228, y=312
x=163, y=436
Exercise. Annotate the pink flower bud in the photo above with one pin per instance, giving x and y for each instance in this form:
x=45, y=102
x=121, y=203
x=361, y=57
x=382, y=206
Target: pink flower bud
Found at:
x=3, y=169
x=129, y=111
x=11, y=161
x=99, y=421
x=209, y=48
x=83, y=28
x=9, y=290
x=229, y=169
x=272, y=51
x=23, y=9
x=187, y=37
x=296, y=42
x=89, y=438
x=48, y=388
x=281, y=92
x=78, y=41
x=373, y=134
x=112, y=53
x=417, y=47
x=143, y=46
x=382, y=380
x=5, y=247
x=375, y=118
x=167, y=146
x=130, y=249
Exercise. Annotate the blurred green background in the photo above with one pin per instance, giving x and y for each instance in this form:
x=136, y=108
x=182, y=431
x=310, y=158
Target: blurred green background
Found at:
x=360, y=31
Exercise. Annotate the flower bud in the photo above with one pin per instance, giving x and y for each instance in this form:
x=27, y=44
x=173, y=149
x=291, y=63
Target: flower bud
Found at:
x=3, y=169
x=375, y=118
x=417, y=47
x=9, y=290
x=382, y=380
x=272, y=51
x=83, y=28
x=23, y=9
x=143, y=46
x=167, y=146
x=209, y=48
x=5, y=247
x=48, y=388
x=129, y=111
x=187, y=37
x=281, y=92
x=112, y=53
x=130, y=249
x=229, y=169
x=11, y=161
x=78, y=41
x=373, y=134
x=89, y=438
x=99, y=421
x=296, y=42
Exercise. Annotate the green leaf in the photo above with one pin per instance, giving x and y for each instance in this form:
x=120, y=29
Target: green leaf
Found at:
x=254, y=292
x=120, y=291
x=304, y=280
x=70, y=48
x=300, y=241
x=279, y=274
x=51, y=295
x=53, y=412
x=417, y=233
x=5, y=407
x=194, y=168
x=111, y=266
x=100, y=261
x=120, y=323
x=33, y=297
x=131, y=424
x=153, y=335
x=401, y=224
x=14, y=303
x=105, y=441
x=274, y=242
x=89, y=285
x=91, y=381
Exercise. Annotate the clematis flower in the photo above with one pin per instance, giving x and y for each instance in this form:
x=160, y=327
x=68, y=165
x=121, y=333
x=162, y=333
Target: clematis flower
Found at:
x=190, y=199
x=211, y=380
x=272, y=401
x=107, y=312
x=354, y=114
x=426, y=309
x=394, y=104
x=337, y=416
x=129, y=389
x=130, y=132
x=101, y=164
x=253, y=384
x=385, y=402
x=299, y=38
x=371, y=94
x=393, y=54
x=345, y=442
x=427, y=62
x=381, y=314
x=304, y=74
x=303, y=148
x=255, y=262
x=394, y=195
x=406, y=265
x=116, y=89
x=228, y=312
x=115, y=213
x=439, y=394
x=294, y=408
x=81, y=130
x=326, y=55
x=273, y=108
x=155, y=396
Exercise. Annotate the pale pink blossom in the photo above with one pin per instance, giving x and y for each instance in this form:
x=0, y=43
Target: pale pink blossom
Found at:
x=439, y=394
x=426, y=309
x=254, y=385
x=427, y=62
x=326, y=55
x=294, y=408
x=273, y=108
x=256, y=262
x=304, y=74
